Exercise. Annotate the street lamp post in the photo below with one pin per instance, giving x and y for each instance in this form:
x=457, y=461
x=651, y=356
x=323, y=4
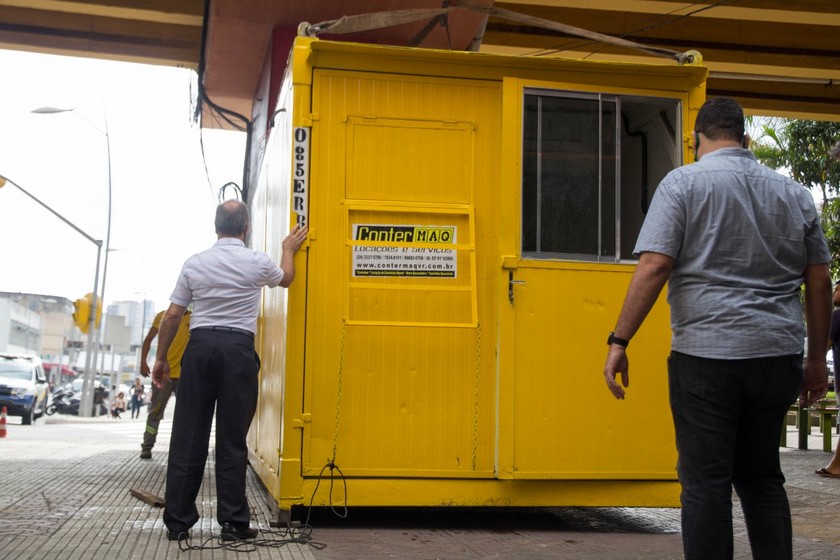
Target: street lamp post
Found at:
x=101, y=298
x=87, y=388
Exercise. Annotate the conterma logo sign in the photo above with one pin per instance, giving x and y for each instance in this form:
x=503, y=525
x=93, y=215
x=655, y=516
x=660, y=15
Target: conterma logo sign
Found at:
x=404, y=251
x=406, y=234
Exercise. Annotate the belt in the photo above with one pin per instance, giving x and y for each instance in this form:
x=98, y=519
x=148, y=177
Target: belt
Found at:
x=227, y=330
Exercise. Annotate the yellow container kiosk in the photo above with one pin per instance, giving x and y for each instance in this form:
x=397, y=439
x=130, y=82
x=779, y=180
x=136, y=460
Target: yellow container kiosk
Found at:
x=472, y=219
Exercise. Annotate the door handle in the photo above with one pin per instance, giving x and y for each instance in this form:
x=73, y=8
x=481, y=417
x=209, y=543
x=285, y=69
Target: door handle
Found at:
x=511, y=283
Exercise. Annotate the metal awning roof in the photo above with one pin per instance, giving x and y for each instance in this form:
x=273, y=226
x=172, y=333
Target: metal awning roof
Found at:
x=777, y=57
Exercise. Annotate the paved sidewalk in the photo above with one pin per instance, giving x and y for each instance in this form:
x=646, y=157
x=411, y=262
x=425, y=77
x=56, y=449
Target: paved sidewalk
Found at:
x=576, y=533
x=64, y=494
x=814, y=500
x=69, y=497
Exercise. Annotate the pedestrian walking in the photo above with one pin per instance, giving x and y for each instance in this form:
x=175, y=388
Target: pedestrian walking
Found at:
x=137, y=392
x=161, y=394
x=735, y=241
x=832, y=469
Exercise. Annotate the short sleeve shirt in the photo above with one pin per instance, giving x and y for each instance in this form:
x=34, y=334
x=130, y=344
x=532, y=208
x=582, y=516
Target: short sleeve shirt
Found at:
x=741, y=236
x=224, y=284
x=179, y=343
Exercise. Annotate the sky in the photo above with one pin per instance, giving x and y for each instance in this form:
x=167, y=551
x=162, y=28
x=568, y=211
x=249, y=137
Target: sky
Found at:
x=163, y=191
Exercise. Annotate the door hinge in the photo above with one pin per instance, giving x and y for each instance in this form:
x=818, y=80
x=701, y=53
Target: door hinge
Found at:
x=305, y=418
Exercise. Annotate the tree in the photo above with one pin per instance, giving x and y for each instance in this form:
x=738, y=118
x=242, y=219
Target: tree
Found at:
x=803, y=149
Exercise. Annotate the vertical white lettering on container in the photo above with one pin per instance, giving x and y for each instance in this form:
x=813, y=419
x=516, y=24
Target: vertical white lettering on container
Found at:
x=300, y=174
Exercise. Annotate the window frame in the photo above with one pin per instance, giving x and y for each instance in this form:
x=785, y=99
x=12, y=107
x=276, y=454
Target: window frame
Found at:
x=601, y=98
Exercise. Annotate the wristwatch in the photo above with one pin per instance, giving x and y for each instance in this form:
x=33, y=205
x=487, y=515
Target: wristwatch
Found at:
x=612, y=339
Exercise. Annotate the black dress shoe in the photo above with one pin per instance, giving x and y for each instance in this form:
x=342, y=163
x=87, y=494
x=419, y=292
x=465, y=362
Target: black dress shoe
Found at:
x=173, y=535
x=231, y=533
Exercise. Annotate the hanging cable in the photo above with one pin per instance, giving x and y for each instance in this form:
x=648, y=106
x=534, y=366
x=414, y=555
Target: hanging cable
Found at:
x=237, y=192
x=231, y=118
x=293, y=533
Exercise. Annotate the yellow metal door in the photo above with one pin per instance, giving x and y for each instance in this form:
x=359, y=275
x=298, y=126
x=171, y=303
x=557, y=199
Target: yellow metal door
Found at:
x=567, y=425
x=395, y=383
x=567, y=275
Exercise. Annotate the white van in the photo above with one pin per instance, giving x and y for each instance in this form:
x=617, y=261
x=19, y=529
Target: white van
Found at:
x=23, y=387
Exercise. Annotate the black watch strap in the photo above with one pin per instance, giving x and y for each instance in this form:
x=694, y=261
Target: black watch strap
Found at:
x=612, y=339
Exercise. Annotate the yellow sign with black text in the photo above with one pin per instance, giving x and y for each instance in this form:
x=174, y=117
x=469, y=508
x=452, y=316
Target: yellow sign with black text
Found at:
x=383, y=260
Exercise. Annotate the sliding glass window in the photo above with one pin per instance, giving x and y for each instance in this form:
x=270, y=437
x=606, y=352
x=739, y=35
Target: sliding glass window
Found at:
x=569, y=175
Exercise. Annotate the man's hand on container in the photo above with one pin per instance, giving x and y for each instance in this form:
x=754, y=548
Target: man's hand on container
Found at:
x=295, y=239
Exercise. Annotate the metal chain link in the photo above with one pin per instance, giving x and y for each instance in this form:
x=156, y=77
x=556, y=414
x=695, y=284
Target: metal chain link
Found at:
x=475, y=394
x=338, y=392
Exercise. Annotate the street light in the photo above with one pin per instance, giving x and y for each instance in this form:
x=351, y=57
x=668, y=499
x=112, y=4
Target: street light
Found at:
x=86, y=403
x=87, y=388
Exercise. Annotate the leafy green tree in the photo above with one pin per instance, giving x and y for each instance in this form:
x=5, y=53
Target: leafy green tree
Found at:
x=803, y=149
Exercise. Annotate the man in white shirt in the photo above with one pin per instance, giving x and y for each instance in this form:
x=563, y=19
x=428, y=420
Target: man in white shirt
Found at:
x=219, y=370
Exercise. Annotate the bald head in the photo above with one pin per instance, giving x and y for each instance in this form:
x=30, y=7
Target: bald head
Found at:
x=231, y=219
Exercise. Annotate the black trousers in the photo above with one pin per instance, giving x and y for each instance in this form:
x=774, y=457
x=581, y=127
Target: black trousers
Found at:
x=219, y=371
x=728, y=419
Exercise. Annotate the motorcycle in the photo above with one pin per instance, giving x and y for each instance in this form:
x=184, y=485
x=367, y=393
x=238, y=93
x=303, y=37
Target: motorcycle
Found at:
x=63, y=401
x=66, y=401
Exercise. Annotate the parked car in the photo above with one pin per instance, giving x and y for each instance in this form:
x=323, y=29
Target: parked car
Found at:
x=23, y=387
x=101, y=391
x=99, y=382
